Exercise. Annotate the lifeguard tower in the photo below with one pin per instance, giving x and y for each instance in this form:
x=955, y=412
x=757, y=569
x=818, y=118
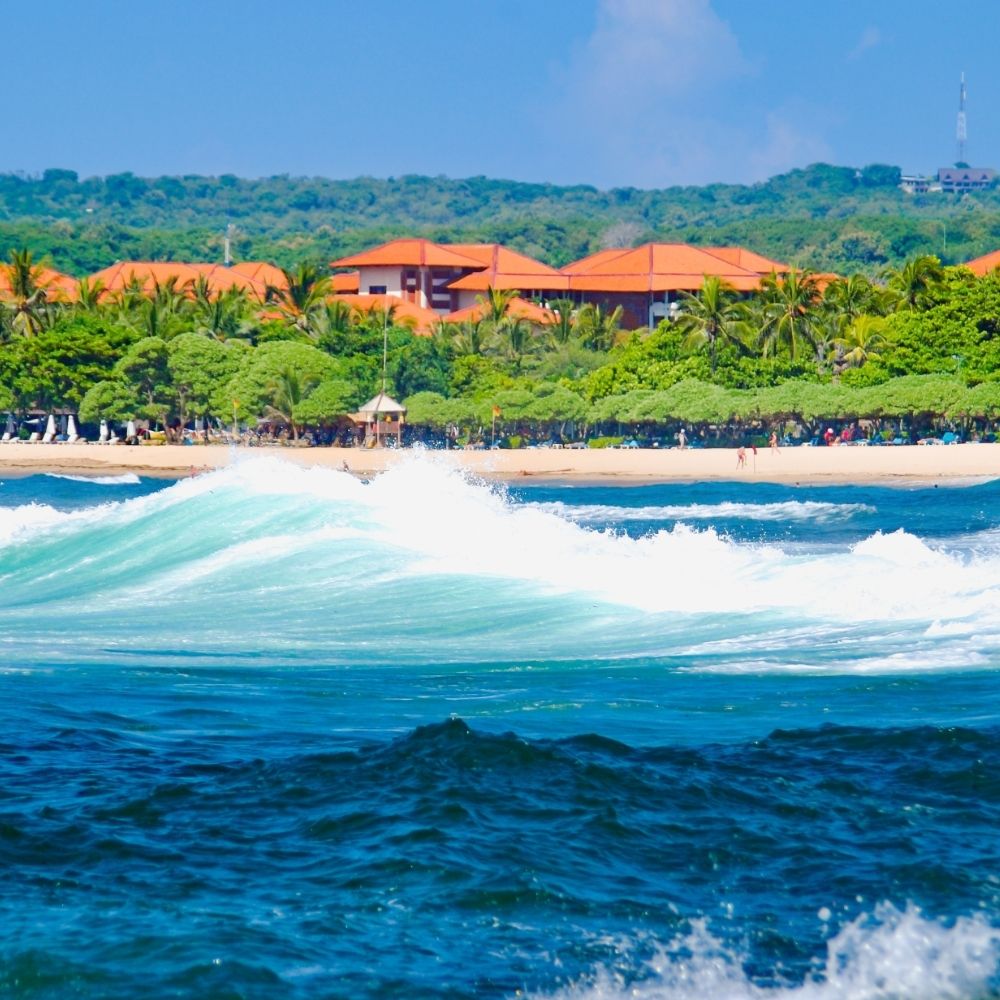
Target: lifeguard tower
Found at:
x=382, y=418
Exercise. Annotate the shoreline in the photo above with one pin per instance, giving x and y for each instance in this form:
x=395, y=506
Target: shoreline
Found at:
x=907, y=465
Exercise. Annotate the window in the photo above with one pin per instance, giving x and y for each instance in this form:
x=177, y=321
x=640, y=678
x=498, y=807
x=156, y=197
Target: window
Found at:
x=376, y=289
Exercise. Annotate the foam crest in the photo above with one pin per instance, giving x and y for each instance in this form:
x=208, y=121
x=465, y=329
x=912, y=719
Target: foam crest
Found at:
x=888, y=955
x=445, y=559
x=789, y=510
x=125, y=479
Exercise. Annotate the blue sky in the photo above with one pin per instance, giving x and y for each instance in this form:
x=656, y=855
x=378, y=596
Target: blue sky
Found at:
x=645, y=93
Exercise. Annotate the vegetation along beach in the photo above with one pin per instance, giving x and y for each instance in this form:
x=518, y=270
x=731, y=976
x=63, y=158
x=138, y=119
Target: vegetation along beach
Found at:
x=500, y=501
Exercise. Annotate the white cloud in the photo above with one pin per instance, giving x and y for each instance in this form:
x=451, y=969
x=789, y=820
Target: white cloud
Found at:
x=656, y=96
x=643, y=51
x=870, y=37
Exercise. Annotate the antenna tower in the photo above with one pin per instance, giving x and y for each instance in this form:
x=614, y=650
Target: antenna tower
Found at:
x=960, y=131
x=228, y=244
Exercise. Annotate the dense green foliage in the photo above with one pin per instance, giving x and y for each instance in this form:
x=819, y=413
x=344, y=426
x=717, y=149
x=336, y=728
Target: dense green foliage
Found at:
x=823, y=217
x=919, y=345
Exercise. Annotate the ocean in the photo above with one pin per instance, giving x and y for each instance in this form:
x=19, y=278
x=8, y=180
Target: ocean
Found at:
x=275, y=732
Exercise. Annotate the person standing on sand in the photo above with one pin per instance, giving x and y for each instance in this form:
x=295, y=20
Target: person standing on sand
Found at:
x=681, y=439
x=774, y=442
x=741, y=457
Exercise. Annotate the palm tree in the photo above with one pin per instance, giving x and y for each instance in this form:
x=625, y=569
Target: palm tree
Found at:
x=914, y=283
x=849, y=298
x=517, y=337
x=304, y=292
x=565, y=324
x=27, y=296
x=223, y=316
x=470, y=337
x=597, y=329
x=712, y=315
x=287, y=391
x=496, y=304
x=790, y=302
x=88, y=295
x=862, y=341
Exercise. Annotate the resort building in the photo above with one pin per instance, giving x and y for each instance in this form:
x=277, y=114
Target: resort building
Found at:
x=958, y=180
x=148, y=276
x=647, y=281
x=984, y=265
x=414, y=270
x=58, y=286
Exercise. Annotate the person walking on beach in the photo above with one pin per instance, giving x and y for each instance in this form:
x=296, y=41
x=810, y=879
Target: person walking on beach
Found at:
x=681, y=439
x=774, y=442
x=741, y=457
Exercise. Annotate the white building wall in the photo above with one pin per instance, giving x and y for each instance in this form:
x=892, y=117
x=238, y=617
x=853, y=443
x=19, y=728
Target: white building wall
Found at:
x=390, y=277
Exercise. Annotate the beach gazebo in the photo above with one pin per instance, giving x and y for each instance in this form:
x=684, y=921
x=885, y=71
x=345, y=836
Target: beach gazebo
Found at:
x=381, y=417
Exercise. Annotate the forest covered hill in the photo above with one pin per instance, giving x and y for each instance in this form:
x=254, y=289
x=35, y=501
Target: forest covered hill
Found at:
x=826, y=217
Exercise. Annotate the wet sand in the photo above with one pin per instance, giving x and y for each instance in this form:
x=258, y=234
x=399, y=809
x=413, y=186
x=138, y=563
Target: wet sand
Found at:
x=840, y=464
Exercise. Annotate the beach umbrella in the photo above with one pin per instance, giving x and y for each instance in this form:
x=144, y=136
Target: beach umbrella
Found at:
x=62, y=424
x=11, y=427
x=71, y=427
x=130, y=429
x=104, y=430
x=50, y=426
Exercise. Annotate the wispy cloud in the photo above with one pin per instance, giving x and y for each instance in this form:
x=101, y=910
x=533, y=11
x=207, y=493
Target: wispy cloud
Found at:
x=870, y=38
x=649, y=97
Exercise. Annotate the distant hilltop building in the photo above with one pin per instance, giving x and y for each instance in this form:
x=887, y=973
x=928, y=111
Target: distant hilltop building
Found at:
x=956, y=180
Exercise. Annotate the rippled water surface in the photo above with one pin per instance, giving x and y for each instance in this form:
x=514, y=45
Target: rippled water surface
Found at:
x=273, y=732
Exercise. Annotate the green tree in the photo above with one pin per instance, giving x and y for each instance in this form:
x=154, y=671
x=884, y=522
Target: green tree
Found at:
x=713, y=316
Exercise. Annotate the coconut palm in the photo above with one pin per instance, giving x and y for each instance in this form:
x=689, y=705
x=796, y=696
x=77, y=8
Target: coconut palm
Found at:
x=849, y=298
x=26, y=313
x=287, y=391
x=496, y=304
x=789, y=311
x=712, y=316
x=516, y=335
x=88, y=295
x=861, y=342
x=564, y=328
x=304, y=293
x=598, y=329
x=471, y=337
x=913, y=284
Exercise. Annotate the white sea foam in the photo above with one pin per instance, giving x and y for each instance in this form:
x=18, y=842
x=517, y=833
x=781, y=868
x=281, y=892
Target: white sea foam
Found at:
x=888, y=955
x=788, y=510
x=125, y=479
x=263, y=535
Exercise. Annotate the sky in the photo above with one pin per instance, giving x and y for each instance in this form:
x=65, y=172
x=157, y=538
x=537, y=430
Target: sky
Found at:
x=612, y=93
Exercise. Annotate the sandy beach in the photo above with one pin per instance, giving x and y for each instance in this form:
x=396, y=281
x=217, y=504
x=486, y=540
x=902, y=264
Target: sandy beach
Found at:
x=841, y=464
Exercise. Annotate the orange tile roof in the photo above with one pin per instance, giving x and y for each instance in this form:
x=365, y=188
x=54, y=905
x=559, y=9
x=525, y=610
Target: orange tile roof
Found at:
x=261, y=271
x=409, y=253
x=349, y=283
x=655, y=267
x=749, y=260
x=504, y=268
x=519, y=308
x=149, y=274
x=423, y=321
x=58, y=286
x=984, y=265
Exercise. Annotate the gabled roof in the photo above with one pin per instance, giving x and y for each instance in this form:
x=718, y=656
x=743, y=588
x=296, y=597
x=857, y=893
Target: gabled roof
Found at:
x=56, y=284
x=655, y=267
x=381, y=404
x=421, y=321
x=518, y=308
x=150, y=274
x=504, y=268
x=261, y=271
x=408, y=253
x=984, y=265
x=749, y=260
x=348, y=283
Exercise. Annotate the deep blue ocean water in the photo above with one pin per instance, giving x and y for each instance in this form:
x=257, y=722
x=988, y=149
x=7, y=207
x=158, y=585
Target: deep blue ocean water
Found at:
x=273, y=732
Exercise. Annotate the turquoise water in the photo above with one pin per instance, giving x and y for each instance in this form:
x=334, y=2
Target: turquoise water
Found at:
x=274, y=732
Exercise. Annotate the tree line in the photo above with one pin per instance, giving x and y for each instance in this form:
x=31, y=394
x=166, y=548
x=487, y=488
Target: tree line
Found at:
x=919, y=342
